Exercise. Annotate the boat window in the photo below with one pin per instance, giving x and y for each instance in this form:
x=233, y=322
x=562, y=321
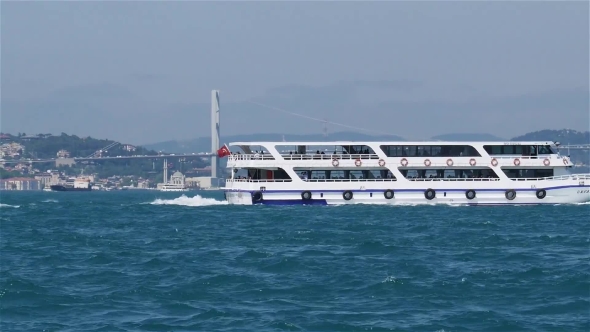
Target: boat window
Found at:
x=528, y=173
x=259, y=174
x=545, y=149
x=430, y=150
x=519, y=150
x=322, y=175
x=486, y=173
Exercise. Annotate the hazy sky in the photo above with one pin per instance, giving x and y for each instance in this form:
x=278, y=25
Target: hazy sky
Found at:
x=142, y=72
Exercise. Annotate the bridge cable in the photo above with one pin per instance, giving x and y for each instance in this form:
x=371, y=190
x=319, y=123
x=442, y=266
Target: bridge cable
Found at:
x=316, y=119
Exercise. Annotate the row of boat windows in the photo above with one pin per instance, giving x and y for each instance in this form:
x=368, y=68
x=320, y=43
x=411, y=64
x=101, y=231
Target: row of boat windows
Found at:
x=521, y=150
x=376, y=174
x=430, y=151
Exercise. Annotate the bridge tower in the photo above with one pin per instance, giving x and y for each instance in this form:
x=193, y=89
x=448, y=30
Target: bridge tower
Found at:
x=214, y=134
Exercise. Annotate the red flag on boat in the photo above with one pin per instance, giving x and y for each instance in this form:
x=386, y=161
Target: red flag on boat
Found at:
x=224, y=151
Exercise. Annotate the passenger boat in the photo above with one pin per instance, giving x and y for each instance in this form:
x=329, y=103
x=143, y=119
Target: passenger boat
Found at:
x=473, y=173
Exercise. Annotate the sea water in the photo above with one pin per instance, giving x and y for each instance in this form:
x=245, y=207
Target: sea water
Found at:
x=151, y=261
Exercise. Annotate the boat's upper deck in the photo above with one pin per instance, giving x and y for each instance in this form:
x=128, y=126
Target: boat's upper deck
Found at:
x=404, y=154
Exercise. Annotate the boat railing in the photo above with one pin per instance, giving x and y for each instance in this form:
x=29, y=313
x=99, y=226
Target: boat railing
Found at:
x=316, y=156
x=259, y=180
x=515, y=156
x=313, y=180
x=254, y=156
x=266, y=156
x=454, y=179
x=558, y=177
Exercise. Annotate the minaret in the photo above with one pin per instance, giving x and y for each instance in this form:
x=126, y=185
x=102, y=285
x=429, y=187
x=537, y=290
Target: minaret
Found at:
x=214, y=131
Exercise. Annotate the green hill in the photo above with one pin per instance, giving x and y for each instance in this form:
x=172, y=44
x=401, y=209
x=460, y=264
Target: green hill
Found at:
x=43, y=146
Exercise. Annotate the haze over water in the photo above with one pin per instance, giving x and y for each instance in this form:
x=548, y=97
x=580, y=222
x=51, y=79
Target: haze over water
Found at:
x=150, y=261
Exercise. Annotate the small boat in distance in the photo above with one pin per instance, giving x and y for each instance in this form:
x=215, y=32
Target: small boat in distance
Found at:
x=73, y=184
x=472, y=173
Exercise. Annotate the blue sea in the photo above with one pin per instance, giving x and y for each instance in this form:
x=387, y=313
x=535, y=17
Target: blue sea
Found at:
x=152, y=261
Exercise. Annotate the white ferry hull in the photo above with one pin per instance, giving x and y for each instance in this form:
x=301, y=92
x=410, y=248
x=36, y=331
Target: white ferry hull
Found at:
x=402, y=173
x=556, y=194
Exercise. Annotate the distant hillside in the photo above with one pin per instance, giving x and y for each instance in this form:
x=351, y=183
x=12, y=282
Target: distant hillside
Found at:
x=203, y=144
x=467, y=137
x=45, y=146
x=564, y=136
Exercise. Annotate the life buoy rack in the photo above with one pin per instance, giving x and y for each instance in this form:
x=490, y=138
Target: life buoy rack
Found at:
x=335, y=162
x=449, y=162
x=564, y=160
x=358, y=162
x=404, y=162
x=546, y=162
x=472, y=162
x=381, y=162
x=516, y=162
x=494, y=162
x=427, y=162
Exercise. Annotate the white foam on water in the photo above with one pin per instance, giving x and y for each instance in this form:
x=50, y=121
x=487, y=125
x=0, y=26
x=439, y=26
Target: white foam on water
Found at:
x=50, y=201
x=189, y=201
x=8, y=205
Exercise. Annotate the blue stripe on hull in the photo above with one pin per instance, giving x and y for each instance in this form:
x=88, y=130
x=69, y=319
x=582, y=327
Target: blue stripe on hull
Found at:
x=404, y=190
x=292, y=202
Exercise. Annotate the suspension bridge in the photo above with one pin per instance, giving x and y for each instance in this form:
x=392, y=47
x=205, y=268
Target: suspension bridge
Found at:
x=215, y=141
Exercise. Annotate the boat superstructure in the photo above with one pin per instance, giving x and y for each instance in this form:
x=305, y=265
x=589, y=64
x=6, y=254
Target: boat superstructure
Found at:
x=476, y=173
x=80, y=183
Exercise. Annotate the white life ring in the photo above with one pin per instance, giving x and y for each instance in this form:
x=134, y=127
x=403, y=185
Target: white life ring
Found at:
x=257, y=156
x=335, y=162
x=427, y=162
x=358, y=162
x=381, y=162
x=516, y=162
x=404, y=162
x=546, y=162
x=472, y=162
x=494, y=162
x=449, y=162
x=564, y=160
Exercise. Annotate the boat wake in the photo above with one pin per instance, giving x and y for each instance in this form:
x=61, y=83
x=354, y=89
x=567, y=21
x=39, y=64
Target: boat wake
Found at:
x=189, y=201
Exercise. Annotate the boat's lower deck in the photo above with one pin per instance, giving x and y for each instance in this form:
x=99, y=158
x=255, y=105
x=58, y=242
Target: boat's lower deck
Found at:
x=548, y=192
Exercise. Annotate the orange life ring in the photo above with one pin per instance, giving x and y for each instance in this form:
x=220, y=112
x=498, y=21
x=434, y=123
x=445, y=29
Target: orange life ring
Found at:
x=449, y=162
x=335, y=162
x=381, y=162
x=546, y=162
x=427, y=162
x=516, y=162
x=358, y=162
x=472, y=162
x=404, y=162
x=494, y=162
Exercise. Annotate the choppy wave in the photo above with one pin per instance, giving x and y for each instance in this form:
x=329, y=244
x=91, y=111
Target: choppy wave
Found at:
x=132, y=261
x=2, y=205
x=184, y=200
